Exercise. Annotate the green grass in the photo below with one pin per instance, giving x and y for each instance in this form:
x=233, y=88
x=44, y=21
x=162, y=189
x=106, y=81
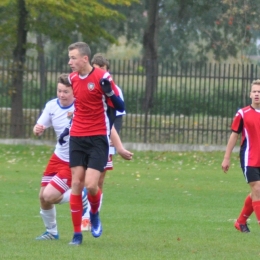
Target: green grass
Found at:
x=161, y=205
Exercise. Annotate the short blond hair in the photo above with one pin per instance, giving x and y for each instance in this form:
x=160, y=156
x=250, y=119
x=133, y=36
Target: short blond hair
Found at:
x=256, y=82
x=82, y=47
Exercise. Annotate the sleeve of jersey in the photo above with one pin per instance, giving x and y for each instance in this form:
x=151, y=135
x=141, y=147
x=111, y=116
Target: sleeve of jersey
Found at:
x=237, y=124
x=116, y=101
x=45, y=119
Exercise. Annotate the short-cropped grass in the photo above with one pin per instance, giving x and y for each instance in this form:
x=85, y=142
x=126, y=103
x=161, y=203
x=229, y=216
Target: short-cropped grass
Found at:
x=160, y=205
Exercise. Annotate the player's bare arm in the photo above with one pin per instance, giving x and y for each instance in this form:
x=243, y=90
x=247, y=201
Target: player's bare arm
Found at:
x=115, y=139
x=230, y=146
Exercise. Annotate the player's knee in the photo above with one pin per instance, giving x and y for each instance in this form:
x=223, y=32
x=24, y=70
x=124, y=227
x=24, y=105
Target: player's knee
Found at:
x=92, y=189
x=48, y=197
x=77, y=185
x=41, y=198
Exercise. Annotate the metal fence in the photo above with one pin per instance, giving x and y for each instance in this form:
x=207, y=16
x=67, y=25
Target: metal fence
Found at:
x=193, y=103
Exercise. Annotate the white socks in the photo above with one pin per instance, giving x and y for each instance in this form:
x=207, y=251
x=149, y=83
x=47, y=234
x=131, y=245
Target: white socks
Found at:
x=49, y=220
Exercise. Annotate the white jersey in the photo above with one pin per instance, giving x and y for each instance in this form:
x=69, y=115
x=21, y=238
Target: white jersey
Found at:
x=59, y=118
x=122, y=97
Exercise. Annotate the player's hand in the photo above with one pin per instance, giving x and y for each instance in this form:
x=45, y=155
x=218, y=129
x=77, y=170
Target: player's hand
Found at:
x=225, y=165
x=38, y=129
x=63, y=134
x=106, y=87
x=125, y=154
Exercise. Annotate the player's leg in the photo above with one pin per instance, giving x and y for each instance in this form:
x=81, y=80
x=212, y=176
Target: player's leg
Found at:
x=94, y=196
x=85, y=223
x=96, y=164
x=47, y=209
x=255, y=195
x=48, y=215
x=57, y=191
x=252, y=175
x=78, y=164
x=247, y=210
x=76, y=206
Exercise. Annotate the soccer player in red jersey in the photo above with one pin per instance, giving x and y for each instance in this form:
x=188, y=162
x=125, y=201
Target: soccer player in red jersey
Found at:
x=96, y=100
x=247, y=123
x=99, y=61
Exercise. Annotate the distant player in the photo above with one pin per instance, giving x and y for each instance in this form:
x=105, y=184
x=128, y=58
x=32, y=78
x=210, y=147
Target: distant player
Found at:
x=247, y=123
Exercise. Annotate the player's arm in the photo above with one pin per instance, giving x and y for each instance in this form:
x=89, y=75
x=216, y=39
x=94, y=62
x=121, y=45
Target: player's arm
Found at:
x=43, y=122
x=118, y=103
x=230, y=146
x=115, y=139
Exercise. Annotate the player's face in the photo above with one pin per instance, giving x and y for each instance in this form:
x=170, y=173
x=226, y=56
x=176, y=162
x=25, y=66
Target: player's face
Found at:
x=255, y=95
x=101, y=67
x=65, y=95
x=77, y=62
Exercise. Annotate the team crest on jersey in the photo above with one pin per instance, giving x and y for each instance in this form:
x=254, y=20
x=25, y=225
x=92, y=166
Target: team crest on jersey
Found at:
x=91, y=86
x=69, y=115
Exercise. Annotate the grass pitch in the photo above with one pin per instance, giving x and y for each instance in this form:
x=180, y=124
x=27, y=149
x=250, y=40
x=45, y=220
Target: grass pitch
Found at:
x=160, y=205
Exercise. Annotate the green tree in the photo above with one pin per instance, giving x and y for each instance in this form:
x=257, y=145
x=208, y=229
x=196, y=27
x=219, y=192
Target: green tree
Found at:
x=187, y=31
x=60, y=21
x=190, y=30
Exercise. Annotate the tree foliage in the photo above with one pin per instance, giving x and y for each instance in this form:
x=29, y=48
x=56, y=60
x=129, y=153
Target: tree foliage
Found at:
x=58, y=20
x=190, y=30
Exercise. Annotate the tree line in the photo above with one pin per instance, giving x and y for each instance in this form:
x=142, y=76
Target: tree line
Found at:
x=169, y=30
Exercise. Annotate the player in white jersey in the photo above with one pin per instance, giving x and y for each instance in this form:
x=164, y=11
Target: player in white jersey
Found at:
x=56, y=179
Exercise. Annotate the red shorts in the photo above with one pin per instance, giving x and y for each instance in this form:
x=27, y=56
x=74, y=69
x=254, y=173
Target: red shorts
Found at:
x=109, y=165
x=58, y=174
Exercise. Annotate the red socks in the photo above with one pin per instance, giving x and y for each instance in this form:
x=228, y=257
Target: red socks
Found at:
x=247, y=210
x=94, y=201
x=76, y=209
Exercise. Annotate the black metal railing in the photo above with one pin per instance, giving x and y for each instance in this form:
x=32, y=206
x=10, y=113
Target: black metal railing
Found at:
x=192, y=103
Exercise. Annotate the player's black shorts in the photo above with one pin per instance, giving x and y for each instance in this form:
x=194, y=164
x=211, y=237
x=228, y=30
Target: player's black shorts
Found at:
x=89, y=152
x=251, y=173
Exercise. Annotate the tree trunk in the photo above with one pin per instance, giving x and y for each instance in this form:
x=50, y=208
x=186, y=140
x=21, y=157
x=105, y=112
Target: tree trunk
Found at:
x=150, y=53
x=41, y=60
x=150, y=58
x=17, y=125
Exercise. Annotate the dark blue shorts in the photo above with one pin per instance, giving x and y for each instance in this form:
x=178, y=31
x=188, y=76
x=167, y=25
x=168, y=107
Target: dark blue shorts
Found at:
x=89, y=151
